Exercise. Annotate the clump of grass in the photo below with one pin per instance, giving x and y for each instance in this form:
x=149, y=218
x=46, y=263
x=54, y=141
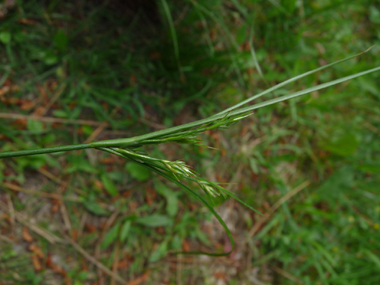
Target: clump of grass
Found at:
x=177, y=171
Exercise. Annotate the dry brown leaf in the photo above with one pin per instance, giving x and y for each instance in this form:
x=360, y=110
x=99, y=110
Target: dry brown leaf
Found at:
x=36, y=263
x=185, y=245
x=98, y=184
x=4, y=90
x=26, y=105
x=220, y=275
x=140, y=279
x=43, y=93
x=26, y=21
x=108, y=160
x=20, y=124
x=90, y=228
x=68, y=280
x=26, y=235
x=38, y=111
x=74, y=234
x=37, y=250
x=123, y=264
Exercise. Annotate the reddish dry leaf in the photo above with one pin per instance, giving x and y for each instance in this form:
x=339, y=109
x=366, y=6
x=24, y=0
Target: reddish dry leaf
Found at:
x=244, y=131
x=126, y=194
x=220, y=179
x=150, y=195
x=52, y=85
x=245, y=46
x=26, y=21
x=36, y=263
x=155, y=55
x=192, y=206
x=19, y=124
x=160, y=230
x=56, y=125
x=55, y=206
x=185, y=245
x=220, y=275
x=49, y=262
x=123, y=264
x=132, y=80
x=43, y=93
x=212, y=34
x=26, y=235
x=74, y=234
x=37, y=250
x=72, y=105
x=133, y=206
x=90, y=228
x=4, y=90
x=140, y=279
x=4, y=138
x=26, y=105
x=68, y=280
x=56, y=268
x=98, y=184
x=105, y=105
x=39, y=111
x=108, y=160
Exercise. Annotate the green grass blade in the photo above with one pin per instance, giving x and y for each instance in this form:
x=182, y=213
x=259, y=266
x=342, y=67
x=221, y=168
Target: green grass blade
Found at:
x=191, y=192
x=254, y=57
x=172, y=32
x=374, y=258
x=288, y=82
x=303, y=92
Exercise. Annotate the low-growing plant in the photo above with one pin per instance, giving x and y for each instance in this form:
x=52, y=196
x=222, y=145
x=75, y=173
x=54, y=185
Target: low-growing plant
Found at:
x=177, y=171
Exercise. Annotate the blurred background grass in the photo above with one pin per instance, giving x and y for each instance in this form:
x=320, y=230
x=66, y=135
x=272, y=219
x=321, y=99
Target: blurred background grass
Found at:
x=75, y=71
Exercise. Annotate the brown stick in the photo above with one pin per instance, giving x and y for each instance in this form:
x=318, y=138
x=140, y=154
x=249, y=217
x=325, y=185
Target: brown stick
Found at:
x=282, y=200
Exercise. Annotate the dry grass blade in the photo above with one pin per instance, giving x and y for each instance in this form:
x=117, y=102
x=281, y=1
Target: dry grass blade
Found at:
x=95, y=262
x=282, y=200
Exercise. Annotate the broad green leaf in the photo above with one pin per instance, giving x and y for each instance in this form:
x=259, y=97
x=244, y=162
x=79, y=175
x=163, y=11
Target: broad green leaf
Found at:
x=50, y=58
x=95, y=208
x=368, y=167
x=202, y=237
x=35, y=126
x=125, y=230
x=159, y=252
x=60, y=40
x=60, y=113
x=109, y=185
x=138, y=171
x=374, y=258
x=155, y=220
x=5, y=37
x=171, y=199
x=374, y=14
x=79, y=163
x=111, y=236
x=345, y=145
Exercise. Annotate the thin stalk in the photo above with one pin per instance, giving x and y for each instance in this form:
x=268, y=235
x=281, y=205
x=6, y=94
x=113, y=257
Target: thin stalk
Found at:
x=289, y=81
x=124, y=142
x=45, y=150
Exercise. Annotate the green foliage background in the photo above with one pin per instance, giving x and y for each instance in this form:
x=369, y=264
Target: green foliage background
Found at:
x=140, y=69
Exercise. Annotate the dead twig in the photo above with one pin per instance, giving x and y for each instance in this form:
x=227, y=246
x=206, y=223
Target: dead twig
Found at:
x=38, y=193
x=282, y=200
x=96, y=262
x=287, y=275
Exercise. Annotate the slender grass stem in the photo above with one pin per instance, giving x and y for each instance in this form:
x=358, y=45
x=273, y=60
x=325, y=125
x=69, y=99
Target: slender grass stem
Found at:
x=44, y=150
x=230, y=112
